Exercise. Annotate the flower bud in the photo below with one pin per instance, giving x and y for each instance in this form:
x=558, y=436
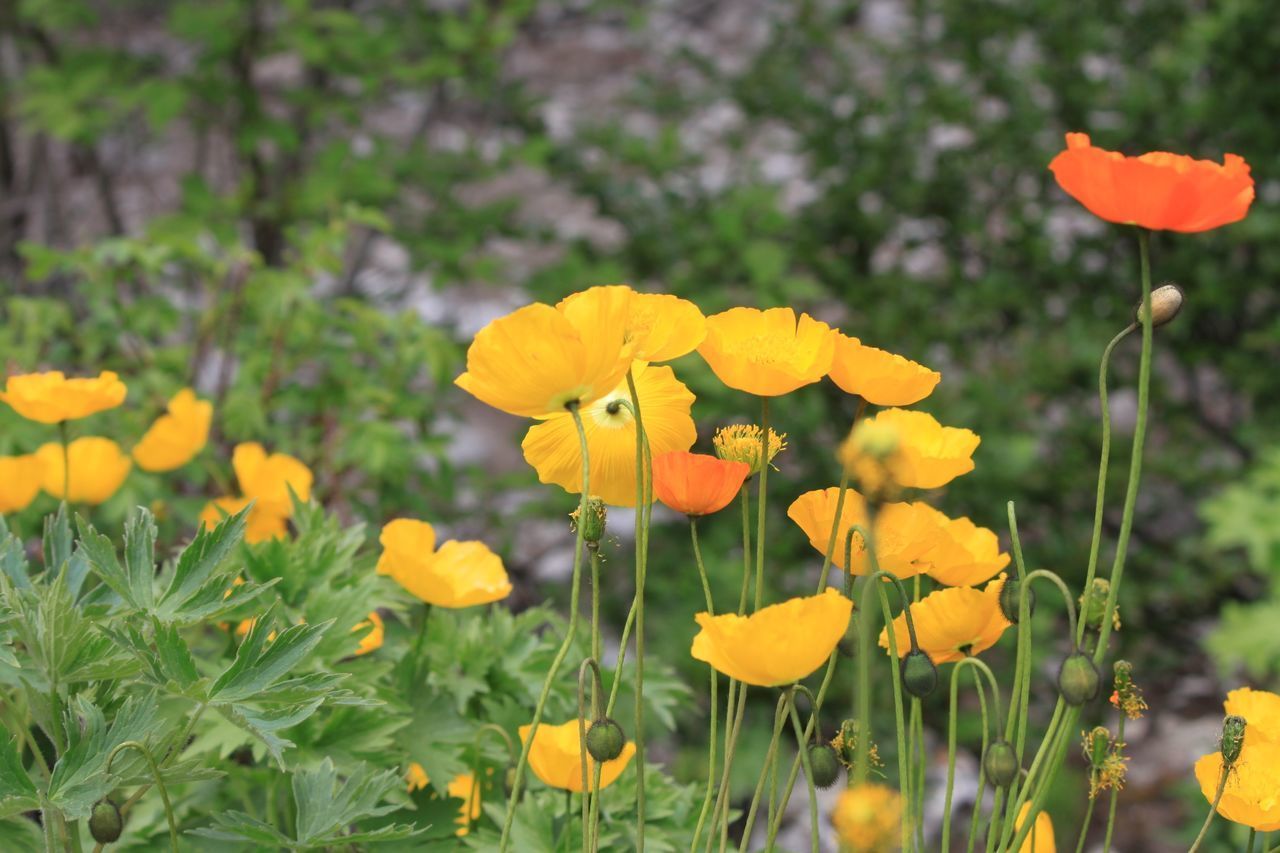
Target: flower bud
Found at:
x=605, y=740
x=1093, y=604
x=105, y=822
x=1166, y=302
x=919, y=675
x=1097, y=746
x=877, y=440
x=1010, y=590
x=1000, y=763
x=1078, y=679
x=825, y=765
x=592, y=521
x=1232, y=739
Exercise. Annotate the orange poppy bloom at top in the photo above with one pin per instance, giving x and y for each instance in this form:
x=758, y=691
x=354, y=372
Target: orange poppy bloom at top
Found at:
x=1158, y=190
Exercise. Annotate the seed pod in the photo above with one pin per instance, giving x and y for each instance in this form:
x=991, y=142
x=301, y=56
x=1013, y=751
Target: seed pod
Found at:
x=825, y=765
x=105, y=822
x=1000, y=763
x=605, y=740
x=1093, y=604
x=1010, y=590
x=592, y=521
x=919, y=675
x=1166, y=302
x=1232, y=739
x=1078, y=679
x=1098, y=745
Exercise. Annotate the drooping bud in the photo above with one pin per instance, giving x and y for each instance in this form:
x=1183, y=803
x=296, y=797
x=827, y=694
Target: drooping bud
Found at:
x=919, y=675
x=105, y=822
x=1000, y=763
x=825, y=765
x=1166, y=302
x=605, y=739
x=1010, y=590
x=592, y=521
x=1232, y=739
x=1078, y=679
x=1093, y=606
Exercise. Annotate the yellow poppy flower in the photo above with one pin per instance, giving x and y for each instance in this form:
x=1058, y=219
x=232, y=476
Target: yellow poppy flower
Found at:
x=741, y=443
x=267, y=479
x=176, y=437
x=1040, y=839
x=953, y=621
x=556, y=757
x=963, y=554
x=1261, y=711
x=459, y=574
x=373, y=636
x=905, y=533
x=868, y=818
x=1252, y=795
x=461, y=787
x=879, y=377
x=51, y=398
x=767, y=353
x=536, y=361
x=912, y=451
x=553, y=449
x=779, y=644
x=20, y=479
x=658, y=326
x=259, y=526
x=98, y=468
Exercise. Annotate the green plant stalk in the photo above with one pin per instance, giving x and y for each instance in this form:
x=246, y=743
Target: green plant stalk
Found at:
x=918, y=764
x=711, y=757
x=596, y=650
x=802, y=745
x=760, y=510
x=835, y=533
x=771, y=755
x=622, y=658
x=159, y=783
x=1056, y=756
x=1088, y=812
x=1115, y=792
x=563, y=651
x=982, y=778
x=951, y=746
x=904, y=782
x=419, y=641
x=643, y=506
x=1104, y=462
x=588, y=664
x=720, y=811
x=1213, y=808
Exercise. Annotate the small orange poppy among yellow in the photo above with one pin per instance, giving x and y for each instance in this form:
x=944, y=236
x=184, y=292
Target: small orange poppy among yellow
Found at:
x=658, y=326
x=538, y=361
x=1260, y=708
x=1040, y=839
x=921, y=453
x=267, y=479
x=459, y=574
x=556, y=757
x=20, y=479
x=1157, y=190
x=373, y=635
x=553, y=449
x=1252, y=794
x=461, y=787
x=176, y=436
x=953, y=623
x=905, y=533
x=98, y=469
x=259, y=526
x=868, y=818
x=51, y=397
x=776, y=645
x=767, y=353
x=879, y=377
x=697, y=484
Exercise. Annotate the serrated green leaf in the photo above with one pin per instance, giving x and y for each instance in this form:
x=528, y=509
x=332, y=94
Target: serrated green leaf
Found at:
x=197, y=563
x=100, y=552
x=266, y=724
x=258, y=664
x=140, y=557
x=17, y=791
x=80, y=778
x=237, y=826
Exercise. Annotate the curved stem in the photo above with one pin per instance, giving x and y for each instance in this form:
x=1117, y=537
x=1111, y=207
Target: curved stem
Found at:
x=779, y=717
x=563, y=651
x=802, y=745
x=711, y=755
x=643, y=507
x=904, y=783
x=1213, y=808
x=159, y=783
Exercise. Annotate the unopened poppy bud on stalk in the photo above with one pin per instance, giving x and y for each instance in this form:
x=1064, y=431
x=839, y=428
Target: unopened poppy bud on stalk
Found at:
x=919, y=675
x=605, y=740
x=1009, y=593
x=105, y=822
x=1093, y=606
x=825, y=765
x=1000, y=763
x=1232, y=739
x=1166, y=302
x=1097, y=746
x=593, y=523
x=1078, y=679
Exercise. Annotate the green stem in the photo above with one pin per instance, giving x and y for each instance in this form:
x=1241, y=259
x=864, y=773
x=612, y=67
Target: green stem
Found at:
x=1056, y=756
x=587, y=786
x=711, y=756
x=596, y=650
x=779, y=718
x=643, y=501
x=66, y=461
x=951, y=746
x=1115, y=792
x=760, y=510
x=904, y=783
x=1253, y=837
x=563, y=651
x=1088, y=812
x=419, y=642
x=1213, y=808
x=835, y=534
x=802, y=744
x=1104, y=462
x=159, y=783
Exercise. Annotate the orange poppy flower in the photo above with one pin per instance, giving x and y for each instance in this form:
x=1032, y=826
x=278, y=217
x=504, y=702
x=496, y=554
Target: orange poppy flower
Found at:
x=1158, y=190
x=695, y=483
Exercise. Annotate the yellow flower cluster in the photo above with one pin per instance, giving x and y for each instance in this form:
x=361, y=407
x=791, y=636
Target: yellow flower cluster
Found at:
x=266, y=481
x=458, y=574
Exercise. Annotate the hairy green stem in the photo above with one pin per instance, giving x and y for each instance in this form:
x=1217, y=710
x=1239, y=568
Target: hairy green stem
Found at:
x=711, y=755
x=1115, y=792
x=771, y=755
x=1213, y=808
x=643, y=507
x=158, y=780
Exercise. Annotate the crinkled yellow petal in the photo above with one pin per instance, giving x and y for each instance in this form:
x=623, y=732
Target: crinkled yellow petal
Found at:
x=1252, y=794
x=929, y=454
x=1041, y=839
x=767, y=353
x=267, y=479
x=904, y=532
x=460, y=574
x=951, y=621
x=1260, y=708
x=20, y=479
x=176, y=437
x=880, y=377
x=556, y=757
x=98, y=469
x=51, y=397
x=963, y=554
x=658, y=326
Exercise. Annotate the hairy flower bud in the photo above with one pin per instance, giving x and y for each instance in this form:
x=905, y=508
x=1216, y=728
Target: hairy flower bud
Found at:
x=1232, y=739
x=1078, y=679
x=105, y=822
x=919, y=675
x=1166, y=302
x=1000, y=763
x=825, y=765
x=592, y=522
x=1093, y=605
x=605, y=740
x=1010, y=590
x=1097, y=746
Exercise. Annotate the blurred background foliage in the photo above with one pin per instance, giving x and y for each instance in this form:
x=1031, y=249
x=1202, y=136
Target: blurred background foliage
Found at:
x=306, y=208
